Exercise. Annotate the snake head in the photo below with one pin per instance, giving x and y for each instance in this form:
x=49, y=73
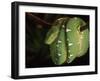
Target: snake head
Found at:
x=54, y=31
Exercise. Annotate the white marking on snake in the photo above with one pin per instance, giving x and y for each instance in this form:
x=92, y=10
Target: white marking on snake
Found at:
x=70, y=44
x=67, y=30
x=71, y=55
x=75, y=18
x=59, y=54
x=63, y=26
x=59, y=41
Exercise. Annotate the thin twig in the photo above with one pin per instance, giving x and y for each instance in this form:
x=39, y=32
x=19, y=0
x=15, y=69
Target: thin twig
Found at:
x=37, y=19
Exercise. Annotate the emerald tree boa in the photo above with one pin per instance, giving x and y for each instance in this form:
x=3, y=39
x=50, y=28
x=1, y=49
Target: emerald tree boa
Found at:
x=66, y=40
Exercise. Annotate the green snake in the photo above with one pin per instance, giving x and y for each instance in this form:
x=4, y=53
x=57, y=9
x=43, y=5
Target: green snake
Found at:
x=66, y=40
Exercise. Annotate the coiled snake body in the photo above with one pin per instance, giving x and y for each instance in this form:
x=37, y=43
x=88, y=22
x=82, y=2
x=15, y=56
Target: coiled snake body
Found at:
x=66, y=40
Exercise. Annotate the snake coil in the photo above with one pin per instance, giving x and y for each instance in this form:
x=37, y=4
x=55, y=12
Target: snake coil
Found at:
x=66, y=40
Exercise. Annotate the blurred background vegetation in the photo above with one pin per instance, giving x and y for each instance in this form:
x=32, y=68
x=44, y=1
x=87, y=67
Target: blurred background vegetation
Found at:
x=37, y=52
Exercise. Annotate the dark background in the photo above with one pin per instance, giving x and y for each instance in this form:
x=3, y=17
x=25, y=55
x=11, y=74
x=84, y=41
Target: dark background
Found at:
x=37, y=52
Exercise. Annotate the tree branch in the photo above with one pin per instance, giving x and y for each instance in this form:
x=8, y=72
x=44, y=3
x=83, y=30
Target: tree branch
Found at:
x=37, y=19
